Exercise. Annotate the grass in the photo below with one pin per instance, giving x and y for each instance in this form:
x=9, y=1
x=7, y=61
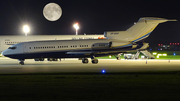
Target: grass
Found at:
x=169, y=57
x=147, y=86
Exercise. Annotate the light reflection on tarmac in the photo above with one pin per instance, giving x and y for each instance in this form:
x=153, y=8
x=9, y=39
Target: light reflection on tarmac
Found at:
x=74, y=65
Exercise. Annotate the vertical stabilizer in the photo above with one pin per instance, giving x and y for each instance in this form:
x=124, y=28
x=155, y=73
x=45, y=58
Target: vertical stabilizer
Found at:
x=143, y=28
x=138, y=32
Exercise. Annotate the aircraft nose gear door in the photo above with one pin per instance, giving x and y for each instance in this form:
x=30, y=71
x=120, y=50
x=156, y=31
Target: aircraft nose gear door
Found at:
x=25, y=47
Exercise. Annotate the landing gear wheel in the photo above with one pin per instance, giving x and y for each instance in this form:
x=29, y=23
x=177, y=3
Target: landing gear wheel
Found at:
x=94, y=61
x=118, y=58
x=55, y=59
x=21, y=63
x=41, y=59
x=36, y=59
x=85, y=60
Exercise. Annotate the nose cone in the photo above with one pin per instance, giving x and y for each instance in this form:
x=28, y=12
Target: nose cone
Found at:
x=5, y=53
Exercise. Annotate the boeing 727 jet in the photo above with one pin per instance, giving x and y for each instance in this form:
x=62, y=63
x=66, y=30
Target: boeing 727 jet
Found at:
x=116, y=42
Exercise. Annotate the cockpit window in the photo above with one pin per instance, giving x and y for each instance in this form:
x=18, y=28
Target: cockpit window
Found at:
x=12, y=48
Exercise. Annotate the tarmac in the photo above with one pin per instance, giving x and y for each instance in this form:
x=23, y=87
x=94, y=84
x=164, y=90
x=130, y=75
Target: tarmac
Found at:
x=8, y=66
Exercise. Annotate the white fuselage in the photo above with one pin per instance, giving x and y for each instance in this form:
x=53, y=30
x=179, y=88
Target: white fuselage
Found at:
x=66, y=48
x=6, y=41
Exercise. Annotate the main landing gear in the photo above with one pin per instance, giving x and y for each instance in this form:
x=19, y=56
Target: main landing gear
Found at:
x=39, y=59
x=93, y=60
x=85, y=60
x=21, y=61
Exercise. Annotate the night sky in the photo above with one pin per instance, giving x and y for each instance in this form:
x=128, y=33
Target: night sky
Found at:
x=94, y=17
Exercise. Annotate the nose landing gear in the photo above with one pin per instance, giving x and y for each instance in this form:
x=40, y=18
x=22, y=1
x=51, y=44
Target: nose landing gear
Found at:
x=21, y=61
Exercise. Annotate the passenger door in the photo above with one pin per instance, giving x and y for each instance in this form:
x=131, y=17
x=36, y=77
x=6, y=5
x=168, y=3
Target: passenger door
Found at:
x=25, y=47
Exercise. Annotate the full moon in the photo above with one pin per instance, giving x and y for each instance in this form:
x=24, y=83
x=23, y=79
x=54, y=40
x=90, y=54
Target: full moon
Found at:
x=52, y=11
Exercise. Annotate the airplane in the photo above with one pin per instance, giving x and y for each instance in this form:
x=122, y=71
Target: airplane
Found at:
x=9, y=40
x=116, y=42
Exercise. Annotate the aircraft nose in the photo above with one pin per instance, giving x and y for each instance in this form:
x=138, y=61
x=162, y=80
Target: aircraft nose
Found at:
x=4, y=53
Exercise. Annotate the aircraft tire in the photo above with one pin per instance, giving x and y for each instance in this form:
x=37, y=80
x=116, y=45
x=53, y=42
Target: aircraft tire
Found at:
x=85, y=60
x=94, y=61
x=55, y=59
x=21, y=63
x=36, y=59
x=41, y=59
x=118, y=58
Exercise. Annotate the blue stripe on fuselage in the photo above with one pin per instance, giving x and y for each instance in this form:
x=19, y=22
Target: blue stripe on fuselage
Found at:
x=142, y=37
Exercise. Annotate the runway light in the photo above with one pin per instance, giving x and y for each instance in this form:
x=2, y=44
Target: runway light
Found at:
x=164, y=54
x=109, y=56
x=154, y=53
x=157, y=56
x=103, y=71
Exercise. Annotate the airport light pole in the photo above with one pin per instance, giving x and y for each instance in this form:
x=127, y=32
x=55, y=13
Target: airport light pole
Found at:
x=76, y=26
x=26, y=29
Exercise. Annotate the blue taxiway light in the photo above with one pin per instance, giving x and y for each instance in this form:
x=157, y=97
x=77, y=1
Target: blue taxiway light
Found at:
x=174, y=54
x=103, y=71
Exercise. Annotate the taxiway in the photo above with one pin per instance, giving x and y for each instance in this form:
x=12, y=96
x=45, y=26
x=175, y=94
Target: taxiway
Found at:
x=74, y=65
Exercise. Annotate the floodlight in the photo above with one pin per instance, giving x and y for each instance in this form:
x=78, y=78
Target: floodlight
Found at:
x=26, y=29
x=76, y=26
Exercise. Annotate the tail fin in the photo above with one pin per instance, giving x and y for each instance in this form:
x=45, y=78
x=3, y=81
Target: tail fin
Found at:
x=139, y=31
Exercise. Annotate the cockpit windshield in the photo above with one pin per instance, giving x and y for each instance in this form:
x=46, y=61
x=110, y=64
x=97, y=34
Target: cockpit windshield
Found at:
x=12, y=48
